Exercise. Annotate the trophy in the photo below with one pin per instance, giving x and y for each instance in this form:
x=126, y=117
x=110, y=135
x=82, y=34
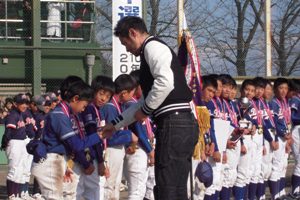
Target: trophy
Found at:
x=245, y=107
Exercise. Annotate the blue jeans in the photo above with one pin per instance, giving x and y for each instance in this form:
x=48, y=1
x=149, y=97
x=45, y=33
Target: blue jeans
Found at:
x=176, y=137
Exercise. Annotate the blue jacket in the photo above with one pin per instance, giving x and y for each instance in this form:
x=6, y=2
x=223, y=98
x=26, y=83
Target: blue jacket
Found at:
x=61, y=135
x=295, y=110
x=281, y=125
x=138, y=129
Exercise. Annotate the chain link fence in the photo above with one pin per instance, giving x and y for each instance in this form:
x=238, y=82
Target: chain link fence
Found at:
x=229, y=36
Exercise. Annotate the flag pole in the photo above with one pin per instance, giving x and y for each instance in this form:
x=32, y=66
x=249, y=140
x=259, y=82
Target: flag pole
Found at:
x=180, y=14
x=268, y=38
x=179, y=19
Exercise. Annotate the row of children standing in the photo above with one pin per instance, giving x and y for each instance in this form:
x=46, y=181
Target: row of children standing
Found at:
x=265, y=129
x=68, y=155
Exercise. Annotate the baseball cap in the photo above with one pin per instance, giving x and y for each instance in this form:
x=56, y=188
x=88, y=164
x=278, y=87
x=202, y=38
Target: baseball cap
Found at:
x=21, y=99
x=204, y=173
x=39, y=102
x=47, y=99
x=52, y=96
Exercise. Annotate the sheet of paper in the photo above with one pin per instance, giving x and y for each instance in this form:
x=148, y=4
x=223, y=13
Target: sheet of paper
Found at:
x=223, y=129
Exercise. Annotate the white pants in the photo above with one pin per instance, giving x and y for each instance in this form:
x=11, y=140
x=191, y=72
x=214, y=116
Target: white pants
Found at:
x=243, y=169
x=296, y=149
x=136, y=173
x=230, y=168
x=49, y=175
x=276, y=164
x=102, y=184
x=284, y=157
x=266, y=163
x=115, y=160
x=88, y=187
x=150, y=183
x=19, y=161
x=256, y=160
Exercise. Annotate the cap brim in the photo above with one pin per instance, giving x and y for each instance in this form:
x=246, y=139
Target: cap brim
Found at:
x=41, y=108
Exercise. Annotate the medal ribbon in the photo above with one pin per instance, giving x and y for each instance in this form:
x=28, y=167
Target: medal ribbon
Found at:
x=98, y=125
x=266, y=106
x=258, y=114
x=67, y=112
x=286, y=111
x=232, y=114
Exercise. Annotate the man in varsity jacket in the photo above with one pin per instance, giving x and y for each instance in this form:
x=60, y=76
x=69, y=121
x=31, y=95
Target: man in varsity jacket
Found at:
x=166, y=98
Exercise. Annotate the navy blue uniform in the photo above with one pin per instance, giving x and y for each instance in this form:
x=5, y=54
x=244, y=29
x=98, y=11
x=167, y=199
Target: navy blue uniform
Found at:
x=138, y=129
x=60, y=136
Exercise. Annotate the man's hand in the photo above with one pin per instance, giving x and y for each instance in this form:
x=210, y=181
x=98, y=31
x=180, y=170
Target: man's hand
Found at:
x=230, y=144
x=68, y=175
x=107, y=131
x=217, y=156
x=253, y=131
x=209, y=149
x=131, y=149
x=103, y=170
x=140, y=116
x=89, y=170
x=288, y=148
x=243, y=149
x=274, y=145
x=224, y=160
x=246, y=131
x=151, y=158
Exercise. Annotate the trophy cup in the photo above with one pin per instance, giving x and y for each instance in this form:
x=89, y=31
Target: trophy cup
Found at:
x=245, y=107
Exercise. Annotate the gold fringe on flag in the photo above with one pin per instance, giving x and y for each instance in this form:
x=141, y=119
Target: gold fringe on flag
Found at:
x=204, y=125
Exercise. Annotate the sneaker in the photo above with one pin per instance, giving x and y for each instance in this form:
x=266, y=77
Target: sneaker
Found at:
x=26, y=196
x=38, y=196
x=13, y=197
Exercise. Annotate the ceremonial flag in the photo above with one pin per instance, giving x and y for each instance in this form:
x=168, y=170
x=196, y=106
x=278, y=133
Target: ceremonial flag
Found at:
x=188, y=56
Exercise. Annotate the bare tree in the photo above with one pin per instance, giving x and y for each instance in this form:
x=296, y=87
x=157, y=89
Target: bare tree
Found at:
x=285, y=35
x=228, y=30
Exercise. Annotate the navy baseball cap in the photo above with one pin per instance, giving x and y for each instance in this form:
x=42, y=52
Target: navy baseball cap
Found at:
x=21, y=99
x=39, y=102
x=47, y=99
x=52, y=96
x=204, y=173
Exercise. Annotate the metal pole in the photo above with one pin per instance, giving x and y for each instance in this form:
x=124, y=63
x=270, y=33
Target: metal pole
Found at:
x=90, y=62
x=268, y=38
x=180, y=12
x=36, y=41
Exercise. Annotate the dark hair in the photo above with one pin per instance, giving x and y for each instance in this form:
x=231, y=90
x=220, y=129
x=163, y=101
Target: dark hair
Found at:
x=294, y=85
x=260, y=82
x=226, y=79
x=8, y=100
x=67, y=82
x=268, y=82
x=209, y=81
x=80, y=88
x=103, y=83
x=247, y=82
x=136, y=76
x=126, y=23
x=124, y=82
x=215, y=76
x=280, y=81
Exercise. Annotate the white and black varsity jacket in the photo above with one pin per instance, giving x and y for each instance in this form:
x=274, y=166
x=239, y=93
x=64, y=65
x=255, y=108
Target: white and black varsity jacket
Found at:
x=163, y=83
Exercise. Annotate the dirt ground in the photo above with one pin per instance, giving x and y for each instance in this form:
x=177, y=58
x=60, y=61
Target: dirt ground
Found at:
x=3, y=173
